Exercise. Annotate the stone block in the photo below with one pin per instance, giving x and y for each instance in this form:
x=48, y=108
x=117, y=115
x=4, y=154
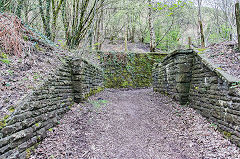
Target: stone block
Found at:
x=235, y=106
x=8, y=130
x=183, y=78
x=184, y=67
x=182, y=87
x=4, y=149
x=206, y=112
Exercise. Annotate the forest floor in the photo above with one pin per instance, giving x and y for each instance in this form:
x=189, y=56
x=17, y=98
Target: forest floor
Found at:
x=226, y=56
x=134, y=124
x=20, y=75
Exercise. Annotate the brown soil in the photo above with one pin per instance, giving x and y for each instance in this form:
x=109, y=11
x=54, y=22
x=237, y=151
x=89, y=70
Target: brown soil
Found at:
x=26, y=59
x=134, y=124
x=23, y=74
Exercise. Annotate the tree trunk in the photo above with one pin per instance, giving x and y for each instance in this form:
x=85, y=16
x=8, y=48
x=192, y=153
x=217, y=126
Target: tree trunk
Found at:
x=55, y=12
x=26, y=11
x=19, y=8
x=80, y=14
x=151, y=29
x=102, y=34
x=202, y=34
x=200, y=24
x=45, y=17
x=189, y=42
x=133, y=34
x=238, y=23
x=126, y=38
x=97, y=30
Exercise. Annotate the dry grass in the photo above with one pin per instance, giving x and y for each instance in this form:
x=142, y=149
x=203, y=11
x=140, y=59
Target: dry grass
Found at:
x=13, y=35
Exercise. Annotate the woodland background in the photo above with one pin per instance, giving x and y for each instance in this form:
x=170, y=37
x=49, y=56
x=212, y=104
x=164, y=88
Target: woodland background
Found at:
x=163, y=25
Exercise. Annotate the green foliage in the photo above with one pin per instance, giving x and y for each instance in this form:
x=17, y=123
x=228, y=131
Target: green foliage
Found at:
x=37, y=124
x=99, y=103
x=125, y=84
x=4, y=58
x=11, y=109
x=227, y=134
x=225, y=32
x=6, y=5
x=168, y=27
x=213, y=126
x=3, y=122
x=10, y=72
x=29, y=151
x=220, y=33
x=147, y=37
x=6, y=117
x=36, y=76
x=63, y=44
x=6, y=61
x=170, y=41
x=201, y=49
x=39, y=48
x=93, y=92
x=70, y=106
x=171, y=7
x=25, y=38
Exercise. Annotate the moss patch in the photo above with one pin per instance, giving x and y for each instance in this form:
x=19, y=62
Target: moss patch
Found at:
x=93, y=92
x=129, y=70
x=3, y=122
x=227, y=134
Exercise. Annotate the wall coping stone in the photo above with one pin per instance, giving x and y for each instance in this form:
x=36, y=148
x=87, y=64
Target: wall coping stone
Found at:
x=215, y=68
x=203, y=58
x=176, y=52
x=85, y=61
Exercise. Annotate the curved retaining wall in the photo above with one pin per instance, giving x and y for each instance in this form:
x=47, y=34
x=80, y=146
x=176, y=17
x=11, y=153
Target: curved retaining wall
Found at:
x=189, y=77
x=123, y=70
x=39, y=111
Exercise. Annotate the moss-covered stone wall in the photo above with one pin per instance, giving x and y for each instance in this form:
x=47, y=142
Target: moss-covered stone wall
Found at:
x=40, y=110
x=123, y=70
x=189, y=77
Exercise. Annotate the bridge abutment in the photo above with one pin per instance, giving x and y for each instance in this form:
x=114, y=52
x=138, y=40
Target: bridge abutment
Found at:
x=190, y=77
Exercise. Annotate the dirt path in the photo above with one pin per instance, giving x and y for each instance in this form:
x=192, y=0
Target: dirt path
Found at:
x=134, y=124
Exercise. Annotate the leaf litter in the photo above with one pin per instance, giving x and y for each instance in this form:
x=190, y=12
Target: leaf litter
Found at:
x=135, y=124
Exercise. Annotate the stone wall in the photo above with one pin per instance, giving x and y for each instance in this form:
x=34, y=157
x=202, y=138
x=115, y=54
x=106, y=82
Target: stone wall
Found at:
x=173, y=75
x=212, y=93
x=40, y=110
x=124, y=70
x=87, y=79
x=188, y=76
